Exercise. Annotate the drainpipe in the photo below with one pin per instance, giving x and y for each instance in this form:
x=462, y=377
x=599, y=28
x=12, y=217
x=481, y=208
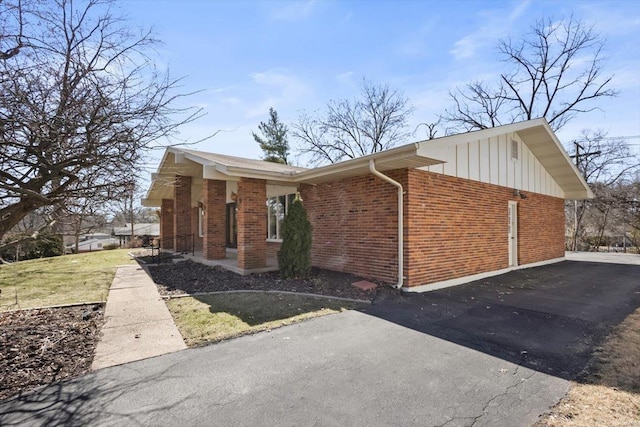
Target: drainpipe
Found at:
x=372, y=168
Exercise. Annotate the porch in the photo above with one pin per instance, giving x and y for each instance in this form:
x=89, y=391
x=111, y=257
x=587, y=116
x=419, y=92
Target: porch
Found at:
x=230, y=262
x=212, y=203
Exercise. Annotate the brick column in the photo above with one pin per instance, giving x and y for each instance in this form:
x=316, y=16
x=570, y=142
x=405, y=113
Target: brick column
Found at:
x=252, y=223
x=182, y=212
x=214, y=195
x=166, y=224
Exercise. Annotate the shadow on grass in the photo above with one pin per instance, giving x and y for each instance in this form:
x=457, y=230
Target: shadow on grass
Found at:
x=550, y=319
x=206, y=319
x=86, y=400
x=256, y=308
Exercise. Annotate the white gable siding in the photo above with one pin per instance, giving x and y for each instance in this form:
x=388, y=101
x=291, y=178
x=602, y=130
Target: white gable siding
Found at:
x=490, y=160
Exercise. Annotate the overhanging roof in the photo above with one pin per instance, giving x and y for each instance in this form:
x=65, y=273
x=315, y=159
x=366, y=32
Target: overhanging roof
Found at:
x=177, y=161
x=543, y=143
x=536, y=134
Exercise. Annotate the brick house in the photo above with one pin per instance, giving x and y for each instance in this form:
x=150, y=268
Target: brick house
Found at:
x=452, y=209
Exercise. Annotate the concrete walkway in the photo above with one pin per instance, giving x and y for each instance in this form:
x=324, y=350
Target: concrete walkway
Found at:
x=608, y=257
x=138, y=324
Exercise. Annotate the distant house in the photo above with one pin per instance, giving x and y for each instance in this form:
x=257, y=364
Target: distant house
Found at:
x=423, y=215
x=143, y=231
x=92, y=244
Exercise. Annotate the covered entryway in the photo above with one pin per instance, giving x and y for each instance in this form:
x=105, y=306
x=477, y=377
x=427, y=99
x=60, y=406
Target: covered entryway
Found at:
x=232, y=226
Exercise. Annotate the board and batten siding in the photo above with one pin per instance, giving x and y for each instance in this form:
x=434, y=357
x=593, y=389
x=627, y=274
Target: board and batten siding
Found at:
x=489, y=160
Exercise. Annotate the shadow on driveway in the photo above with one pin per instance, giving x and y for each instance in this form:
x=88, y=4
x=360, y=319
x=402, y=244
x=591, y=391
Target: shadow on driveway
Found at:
x=548, y=318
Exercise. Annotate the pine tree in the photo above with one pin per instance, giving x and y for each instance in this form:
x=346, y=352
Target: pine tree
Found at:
x=273, y=141
x=294, y=256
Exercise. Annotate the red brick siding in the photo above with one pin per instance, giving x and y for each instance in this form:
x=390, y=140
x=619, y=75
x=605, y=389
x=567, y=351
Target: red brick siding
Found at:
x=453, y=227
x=214, y=194
x=166, y=223
x=182, y=211
x=355, y=225
x=252, y=223
x=541, y=225
x=456, y=227
x=272, y=249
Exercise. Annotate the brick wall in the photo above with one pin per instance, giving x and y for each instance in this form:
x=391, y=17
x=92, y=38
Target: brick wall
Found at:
x=166, y=223
x=456, y=227
x=252, y=223
x=355, y=226
x=453, y=227
x=182, y=211
x=214, y=194
x=541, y=225
x=272, y=249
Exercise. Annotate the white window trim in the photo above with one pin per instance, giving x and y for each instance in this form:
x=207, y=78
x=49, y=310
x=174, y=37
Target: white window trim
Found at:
x=286, y=210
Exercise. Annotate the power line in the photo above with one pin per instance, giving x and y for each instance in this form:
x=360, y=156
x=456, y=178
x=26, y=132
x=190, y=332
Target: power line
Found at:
x=608, y=137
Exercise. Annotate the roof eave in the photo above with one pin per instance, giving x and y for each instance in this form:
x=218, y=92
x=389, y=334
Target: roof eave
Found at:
x=395, y=158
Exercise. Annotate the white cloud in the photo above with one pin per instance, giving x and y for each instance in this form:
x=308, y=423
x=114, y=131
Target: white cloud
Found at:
x=494, y=25
x=275, y=88
x=466, y=47
x=230, y=100
x=294, y=11
x=519, y=10
x=261, y=108
x=346, y=77
x=416, y=43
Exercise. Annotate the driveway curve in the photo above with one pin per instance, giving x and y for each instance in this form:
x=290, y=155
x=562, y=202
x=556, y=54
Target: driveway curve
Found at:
x=345, y=369
x=495, y=352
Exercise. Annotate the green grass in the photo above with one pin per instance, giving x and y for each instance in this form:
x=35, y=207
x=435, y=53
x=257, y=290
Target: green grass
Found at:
x=60, y=280
x=216, y=317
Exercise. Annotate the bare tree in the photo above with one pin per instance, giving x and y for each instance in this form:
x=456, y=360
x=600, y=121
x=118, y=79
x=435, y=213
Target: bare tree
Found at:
x=607, y=165
x=80, y=103
x=431, y=128
x=374, y=122
x=553, y=71
x=81, y=216
x=11, y=27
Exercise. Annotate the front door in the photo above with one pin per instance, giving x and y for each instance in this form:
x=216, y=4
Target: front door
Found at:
x=513, y=234
x=232, y=226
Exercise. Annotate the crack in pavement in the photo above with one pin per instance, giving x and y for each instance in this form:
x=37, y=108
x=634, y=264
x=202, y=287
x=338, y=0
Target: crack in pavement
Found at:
x=506, y=392
x=475, y=419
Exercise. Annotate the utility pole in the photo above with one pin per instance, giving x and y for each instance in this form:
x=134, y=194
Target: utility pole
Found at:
x=577, y=157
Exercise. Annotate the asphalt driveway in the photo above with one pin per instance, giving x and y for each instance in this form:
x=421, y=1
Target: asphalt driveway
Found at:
x=497, y=352
x=547, y=318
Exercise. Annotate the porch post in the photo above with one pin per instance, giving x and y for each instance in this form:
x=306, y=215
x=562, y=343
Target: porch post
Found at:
x=252, y=223
x=166, y=224
x=182, y=212
x=214, y=195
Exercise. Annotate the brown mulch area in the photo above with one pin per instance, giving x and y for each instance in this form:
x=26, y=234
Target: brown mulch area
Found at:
x=38, y=347
x=188, y=277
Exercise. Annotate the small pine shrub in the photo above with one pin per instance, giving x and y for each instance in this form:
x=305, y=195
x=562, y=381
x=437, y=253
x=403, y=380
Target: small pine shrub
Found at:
x=294, y=256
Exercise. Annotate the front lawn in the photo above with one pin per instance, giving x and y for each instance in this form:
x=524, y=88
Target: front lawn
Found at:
x=59, y=280
x=214, y=317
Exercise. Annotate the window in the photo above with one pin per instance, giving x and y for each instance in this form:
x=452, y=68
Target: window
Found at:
x=277, y=208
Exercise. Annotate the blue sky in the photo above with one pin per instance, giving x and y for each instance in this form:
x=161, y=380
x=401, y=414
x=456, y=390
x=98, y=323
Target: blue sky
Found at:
x=248, y=56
